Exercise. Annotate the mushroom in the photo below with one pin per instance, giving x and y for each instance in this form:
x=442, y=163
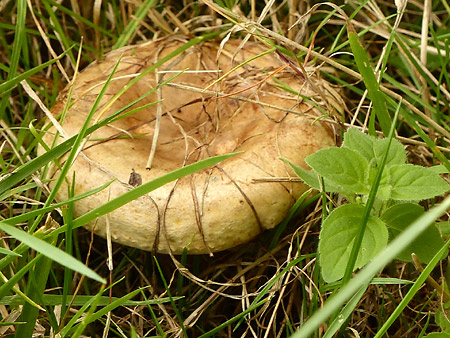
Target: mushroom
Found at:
x=249, y=110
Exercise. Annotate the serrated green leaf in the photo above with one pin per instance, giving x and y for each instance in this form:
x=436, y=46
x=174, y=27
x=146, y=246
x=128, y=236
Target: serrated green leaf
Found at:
x=438, y=335
x=343, y=167
x=444, y=228
x=366, y=275
x=414, y=183
x=311, y=178
x=399, y=217
x=396, y=154
x=372, y=148
x=360, y=142
x=338, y=233
x=384, y=188
x=439, y=169
x=442, y=319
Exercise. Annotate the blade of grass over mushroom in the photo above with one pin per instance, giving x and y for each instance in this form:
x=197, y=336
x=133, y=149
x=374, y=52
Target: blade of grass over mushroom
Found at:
x=50, y=251
x=28, y=168
x=34, y=213
x=19, y=38
x=372, y=85
x=370, y=270
x=239, y=66
x=413, y=290
x=157, y=64
x=144, y=189
x=77, y=143
x=133, y=24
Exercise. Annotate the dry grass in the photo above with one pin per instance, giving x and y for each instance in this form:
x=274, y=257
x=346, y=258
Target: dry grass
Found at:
x=285, y=275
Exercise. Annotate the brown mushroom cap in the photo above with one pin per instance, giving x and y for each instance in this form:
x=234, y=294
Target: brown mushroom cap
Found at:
x=217, y=208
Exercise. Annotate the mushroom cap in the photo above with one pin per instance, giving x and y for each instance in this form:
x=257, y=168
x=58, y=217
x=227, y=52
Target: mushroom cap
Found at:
x=217, y=208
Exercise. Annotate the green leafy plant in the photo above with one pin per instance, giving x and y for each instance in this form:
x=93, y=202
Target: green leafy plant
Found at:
x=351, y=171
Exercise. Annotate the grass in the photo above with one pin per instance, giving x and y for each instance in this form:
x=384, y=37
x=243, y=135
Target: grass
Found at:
x=267, y=288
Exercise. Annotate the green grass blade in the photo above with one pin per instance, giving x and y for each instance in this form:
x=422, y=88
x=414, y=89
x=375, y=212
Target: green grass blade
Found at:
x=91, y=317
x=4, y=251
x=35, y=213
x=59, y=30
x=79, y=18
x=413, y=59
x=68, y=217
x=37, y=281
x=430, y=143
x=17, y=190
x=82, y=326
x=7, y=286
x=35, y=164
x=272, y=282
x=172, y=301
x=345, y=313
x=366, y=274
x=372, y=85
x=19, y=38
x=50, y=251
x=233, y=319
x=131, y=28
x=78, y=314
x=80, y=300
x=14, y=81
